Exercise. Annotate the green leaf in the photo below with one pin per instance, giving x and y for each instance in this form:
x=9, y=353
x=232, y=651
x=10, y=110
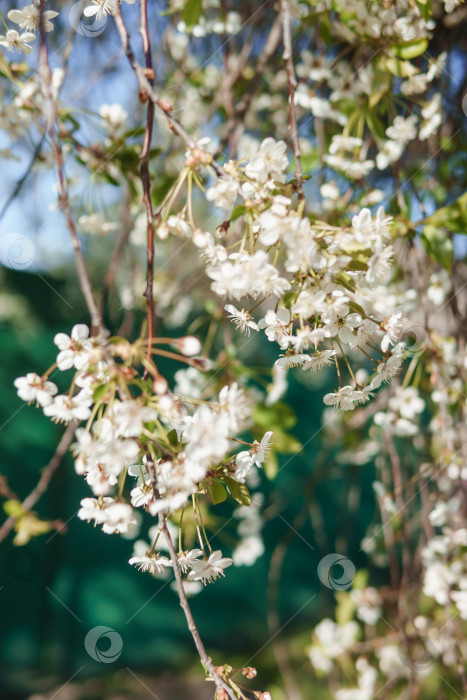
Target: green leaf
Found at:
x=192, y=12
x=399, y=68
x=411, y=49
x=238, y=491
x=173, y=438
x=439, y=246
x=356, y=308
x=425, y=8
x=238, y=211
x=216, y=491
x=99, y=393
x=271, y=465
x=346, y=281
x=279, y=414
x=285, y=443
x=288, y=299
x=453, y=217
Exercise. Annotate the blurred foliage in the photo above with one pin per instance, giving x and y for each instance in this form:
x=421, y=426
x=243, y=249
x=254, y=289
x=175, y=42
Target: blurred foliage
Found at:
x=61, y=584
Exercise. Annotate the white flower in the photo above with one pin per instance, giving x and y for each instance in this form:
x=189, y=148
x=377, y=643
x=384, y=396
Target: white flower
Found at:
x=248, y=551
x=389, y=153
x=63, y=409
x=129, y=418
x=120, y=518
x=28, y=18
x=100, y=8
x=209, y=569
x=344, y=328
x=270, y=162
x=153, y=563
x=403, y=130
x=233, y=401
x=96, y=224
x=407, y=402
x=260, y=450
x=325, y=358
x=242, y=319
x=392, y=327
x=276, y=326
x=385, y=371
x=16, y=43
x=292, y=361
x=343, y=398
x=186, y=559
x=94, y=509
x=460, y=599
x=113, y=116
x=206, y=434
x=223, y=194
x=74, y=348
x=32, y=387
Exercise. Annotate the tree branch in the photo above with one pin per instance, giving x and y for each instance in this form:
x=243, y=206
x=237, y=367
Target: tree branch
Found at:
x=288, y=58
x=51, y=113
x=44, y=481
x=145, y=176
x=205, y=659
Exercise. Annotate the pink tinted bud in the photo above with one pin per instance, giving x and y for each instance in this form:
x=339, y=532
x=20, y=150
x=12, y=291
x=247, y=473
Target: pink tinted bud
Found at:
x=160, y=385
x=249, y=672
x=189, y=345
x=222, y=694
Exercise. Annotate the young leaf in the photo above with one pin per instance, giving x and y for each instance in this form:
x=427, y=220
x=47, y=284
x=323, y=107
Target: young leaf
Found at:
x=238, y=491
x=192, y=12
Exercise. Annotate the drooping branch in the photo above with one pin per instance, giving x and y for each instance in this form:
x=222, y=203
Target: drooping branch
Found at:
x=288, y=58
x=147, y=90
x=145, y=176
x=205, y=659
x=28, y=504
x=51, y=114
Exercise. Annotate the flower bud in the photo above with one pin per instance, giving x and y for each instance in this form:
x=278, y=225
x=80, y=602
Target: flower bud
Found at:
x=189, y=345
x=249, y=672
x=221, y=694
x=162, y=232
x=160, y=385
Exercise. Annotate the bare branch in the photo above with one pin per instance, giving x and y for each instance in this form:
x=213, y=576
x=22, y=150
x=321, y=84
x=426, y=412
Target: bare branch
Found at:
x=51, y=114
x=288, y=58
x=205, y=659
x=29, y=502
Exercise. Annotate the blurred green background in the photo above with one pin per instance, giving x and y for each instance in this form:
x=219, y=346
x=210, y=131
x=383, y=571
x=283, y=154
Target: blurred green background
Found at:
x=62, y=584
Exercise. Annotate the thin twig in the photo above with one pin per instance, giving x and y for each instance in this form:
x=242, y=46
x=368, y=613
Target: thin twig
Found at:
x=288, y=58
x=147, y=90
x=205, y=660
x=51, y=113
x=145, y=176
x=43, y=482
